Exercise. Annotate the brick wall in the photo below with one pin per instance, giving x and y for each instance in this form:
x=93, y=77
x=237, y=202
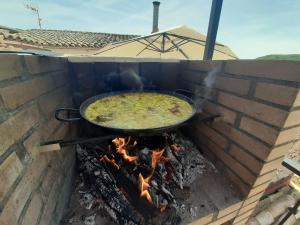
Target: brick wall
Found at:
x=259, y=102
x=34, y=186
x=90, y=76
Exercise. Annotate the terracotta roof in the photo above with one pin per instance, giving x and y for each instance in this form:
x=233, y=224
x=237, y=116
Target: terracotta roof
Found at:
x=64, y=38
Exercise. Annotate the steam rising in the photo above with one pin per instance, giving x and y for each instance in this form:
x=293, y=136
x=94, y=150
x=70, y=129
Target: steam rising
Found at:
x=202, y=94
x=127, y=79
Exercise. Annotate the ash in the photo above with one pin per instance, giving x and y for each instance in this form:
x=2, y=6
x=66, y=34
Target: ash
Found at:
x=109, y=188
x=189, y=156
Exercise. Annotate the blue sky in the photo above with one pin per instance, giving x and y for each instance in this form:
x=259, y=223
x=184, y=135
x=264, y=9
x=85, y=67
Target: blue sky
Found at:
x=251, y=28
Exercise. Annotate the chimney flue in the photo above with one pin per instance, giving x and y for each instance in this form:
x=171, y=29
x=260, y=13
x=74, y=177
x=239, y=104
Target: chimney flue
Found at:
x=155, y=16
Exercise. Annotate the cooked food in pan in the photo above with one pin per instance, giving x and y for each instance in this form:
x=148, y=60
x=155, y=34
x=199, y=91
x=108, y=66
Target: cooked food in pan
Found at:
x=139, y=110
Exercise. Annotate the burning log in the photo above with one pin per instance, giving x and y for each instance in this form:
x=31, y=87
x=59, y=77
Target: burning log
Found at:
x=137, y=182
x=118, y=205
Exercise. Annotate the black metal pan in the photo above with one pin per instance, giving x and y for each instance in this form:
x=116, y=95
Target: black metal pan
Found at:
x=72, y=115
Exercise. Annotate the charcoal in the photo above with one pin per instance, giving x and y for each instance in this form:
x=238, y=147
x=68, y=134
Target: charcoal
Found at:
x=111, y=194
x=178, y=164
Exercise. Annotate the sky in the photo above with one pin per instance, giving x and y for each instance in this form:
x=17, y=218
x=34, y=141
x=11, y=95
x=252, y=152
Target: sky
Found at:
x=251, y=28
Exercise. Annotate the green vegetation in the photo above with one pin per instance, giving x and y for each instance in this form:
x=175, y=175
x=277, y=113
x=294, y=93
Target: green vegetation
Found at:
x=295, y=57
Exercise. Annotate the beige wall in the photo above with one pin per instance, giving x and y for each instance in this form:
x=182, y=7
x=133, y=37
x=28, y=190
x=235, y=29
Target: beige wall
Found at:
x=34, y=186
x=259, y=102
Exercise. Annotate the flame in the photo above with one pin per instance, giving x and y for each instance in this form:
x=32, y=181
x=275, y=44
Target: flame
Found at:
x=121, y=148
x=143, y=186
x=111, y=161
x=144, y=182
x=156, y=155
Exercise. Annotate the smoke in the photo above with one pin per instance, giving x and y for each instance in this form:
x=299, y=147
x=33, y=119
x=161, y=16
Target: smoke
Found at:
x=131, y=80
x=205, y=92
x=127, y=79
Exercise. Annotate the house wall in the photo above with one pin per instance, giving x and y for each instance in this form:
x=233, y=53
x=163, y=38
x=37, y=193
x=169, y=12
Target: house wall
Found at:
x=259, y=105
x=34, y=186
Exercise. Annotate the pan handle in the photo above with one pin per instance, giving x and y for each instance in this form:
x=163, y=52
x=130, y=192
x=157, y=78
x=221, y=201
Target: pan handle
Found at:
x=71, y=115
x=185, y=92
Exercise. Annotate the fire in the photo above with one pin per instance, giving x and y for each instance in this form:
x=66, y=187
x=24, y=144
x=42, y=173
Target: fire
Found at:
x=143, y=186
x=144, y=182
x=121, y=148
x=156, y=156
x=124, y=145
x=111, y=161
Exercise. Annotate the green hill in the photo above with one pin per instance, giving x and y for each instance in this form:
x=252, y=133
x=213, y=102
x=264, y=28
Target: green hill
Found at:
x=295, y=57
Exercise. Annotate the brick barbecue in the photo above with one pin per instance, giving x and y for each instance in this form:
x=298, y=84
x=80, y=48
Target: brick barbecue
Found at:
x=258, y=102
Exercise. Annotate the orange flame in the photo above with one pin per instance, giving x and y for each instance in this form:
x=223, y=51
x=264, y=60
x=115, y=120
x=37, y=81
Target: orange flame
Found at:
x=144, y=182
x=156, y=155
x=144, y=185
x=121, y=149
x=111, y=161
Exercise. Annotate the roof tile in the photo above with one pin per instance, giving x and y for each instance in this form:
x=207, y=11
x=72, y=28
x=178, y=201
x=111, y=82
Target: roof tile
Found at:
x=63, y=38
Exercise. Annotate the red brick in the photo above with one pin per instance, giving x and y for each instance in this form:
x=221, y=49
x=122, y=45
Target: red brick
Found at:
x=279, y=70
x=51, y=202
x=237, y=181
x=264, y=178
x=259, y=188
x=268, y=114
x=193, y=76
x=239, y=86
x=279, y=94
x=15, y=127
x=224, y=219
x=280, y=151
x=201, y=92
x=202, y=65
x=49, y=103
x=42, y=133
x=248, y=207
x=230, y=209
x=242, y=222
x=259, y=130
x=33, y=210
x=256, y=147
x=288, y=135
x=18, y=199
x=252, y=199
x=171, y=73
x=292, y=119
x=271, y=165
x=220, y=140
x=10, y=170
x=22, y=92
x=61, y=78
x=10, y=66
x=49, y=180
x=245, y=158
x=228, y=116
x=41, y=64
x=244, y=216
x=233, y=164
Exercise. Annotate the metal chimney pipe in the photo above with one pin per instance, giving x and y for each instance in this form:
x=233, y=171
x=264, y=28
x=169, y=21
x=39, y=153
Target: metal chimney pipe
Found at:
x=155, y=16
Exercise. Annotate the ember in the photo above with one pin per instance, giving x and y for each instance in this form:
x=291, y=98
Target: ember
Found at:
x=111, y=161
x=138, y=178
